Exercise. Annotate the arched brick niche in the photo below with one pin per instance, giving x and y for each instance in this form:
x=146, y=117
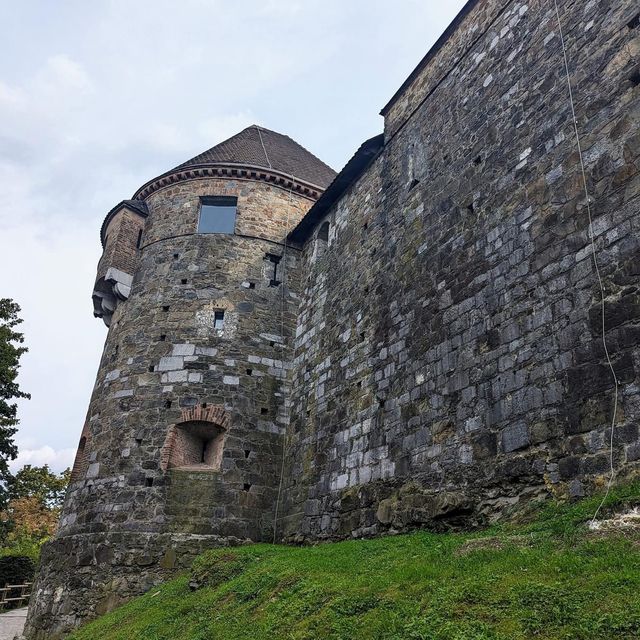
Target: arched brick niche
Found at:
x=196, y=442
x=81, y=462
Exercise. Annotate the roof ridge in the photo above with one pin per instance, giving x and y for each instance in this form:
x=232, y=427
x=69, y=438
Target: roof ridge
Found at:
x=281, y=151
x=284, y=135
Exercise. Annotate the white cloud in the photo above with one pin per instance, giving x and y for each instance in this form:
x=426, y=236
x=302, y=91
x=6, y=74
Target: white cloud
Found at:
x=57, y=460
x=11, y=97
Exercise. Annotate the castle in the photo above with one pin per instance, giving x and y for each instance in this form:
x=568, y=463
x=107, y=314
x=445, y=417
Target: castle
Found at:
x=295, y=355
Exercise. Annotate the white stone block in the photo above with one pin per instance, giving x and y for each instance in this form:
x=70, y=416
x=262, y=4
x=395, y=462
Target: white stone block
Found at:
x=93, y=470
x=170, y=363
x=183, y=350
x=175, y=376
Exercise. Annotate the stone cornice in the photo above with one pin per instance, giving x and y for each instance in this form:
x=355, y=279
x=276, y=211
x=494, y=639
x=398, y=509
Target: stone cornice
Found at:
x=217, y=170
x=229, y=170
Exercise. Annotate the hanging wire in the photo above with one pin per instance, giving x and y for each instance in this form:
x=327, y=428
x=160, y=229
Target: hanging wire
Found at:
x=282, y=357
x=266, y=155
x=595, y=263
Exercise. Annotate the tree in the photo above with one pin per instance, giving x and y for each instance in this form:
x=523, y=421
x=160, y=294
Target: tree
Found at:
x=10, y=353
x=29, y=519
x=35, y=496
x=40, y=483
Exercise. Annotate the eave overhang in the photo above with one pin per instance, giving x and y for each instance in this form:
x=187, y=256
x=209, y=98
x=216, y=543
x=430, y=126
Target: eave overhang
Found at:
x=362, y=158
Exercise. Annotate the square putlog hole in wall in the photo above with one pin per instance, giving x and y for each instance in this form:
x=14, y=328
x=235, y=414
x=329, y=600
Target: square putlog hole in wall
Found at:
x=246, y=486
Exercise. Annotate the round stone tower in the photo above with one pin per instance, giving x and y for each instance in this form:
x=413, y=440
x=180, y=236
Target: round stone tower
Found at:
x=181, y=449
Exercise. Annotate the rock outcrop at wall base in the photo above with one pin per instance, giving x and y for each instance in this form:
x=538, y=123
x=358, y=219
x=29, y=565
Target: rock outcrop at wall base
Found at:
x=88, y=575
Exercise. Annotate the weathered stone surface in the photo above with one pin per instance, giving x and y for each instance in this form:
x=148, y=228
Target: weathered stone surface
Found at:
x=128, y=518
x=434, y=359
x=450, y=331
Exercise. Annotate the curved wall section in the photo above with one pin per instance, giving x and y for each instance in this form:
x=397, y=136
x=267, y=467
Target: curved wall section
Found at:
x=181, y=449
x=264, y=210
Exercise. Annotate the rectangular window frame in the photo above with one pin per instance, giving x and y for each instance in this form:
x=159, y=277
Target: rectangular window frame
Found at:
x=206, y=224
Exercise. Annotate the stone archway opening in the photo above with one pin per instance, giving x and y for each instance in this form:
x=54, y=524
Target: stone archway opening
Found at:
x=197, y=445
x=196, y=442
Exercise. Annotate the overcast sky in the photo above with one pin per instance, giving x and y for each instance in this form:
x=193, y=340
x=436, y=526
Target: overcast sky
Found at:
x=98, y=97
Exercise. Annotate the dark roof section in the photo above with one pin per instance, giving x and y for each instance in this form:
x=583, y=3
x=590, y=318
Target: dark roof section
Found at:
x=431, y=53
x=261, y=147
x=362, y=158
x=139, y=206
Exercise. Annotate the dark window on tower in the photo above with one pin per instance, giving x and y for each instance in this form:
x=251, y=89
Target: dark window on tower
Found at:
x=139, y=240
x=275, y=261
x=323, y=232
x=322, y=239
x=218, y=320
x=217, y=214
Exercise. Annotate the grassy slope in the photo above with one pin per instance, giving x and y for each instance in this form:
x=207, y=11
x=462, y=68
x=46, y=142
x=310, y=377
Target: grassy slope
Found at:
x=548, y=578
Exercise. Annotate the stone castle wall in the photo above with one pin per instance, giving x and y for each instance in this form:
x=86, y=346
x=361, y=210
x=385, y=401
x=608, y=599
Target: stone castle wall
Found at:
x=448, y=360
x=130, y=516
x=437, y=349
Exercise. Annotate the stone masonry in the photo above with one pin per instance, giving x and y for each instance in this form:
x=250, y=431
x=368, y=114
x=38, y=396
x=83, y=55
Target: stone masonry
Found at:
x=183, y=437
x=420, y=336
x=448, y=360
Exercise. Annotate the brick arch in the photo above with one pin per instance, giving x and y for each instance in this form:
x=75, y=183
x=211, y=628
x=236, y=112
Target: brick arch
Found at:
x=214, y=413
x=198, y=426
x=81, y=461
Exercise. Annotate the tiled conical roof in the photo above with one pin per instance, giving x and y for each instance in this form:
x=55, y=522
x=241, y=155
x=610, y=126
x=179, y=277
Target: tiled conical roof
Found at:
x=261, y=147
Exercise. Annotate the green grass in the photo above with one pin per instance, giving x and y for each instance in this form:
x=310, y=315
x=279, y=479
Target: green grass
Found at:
x=543, y=577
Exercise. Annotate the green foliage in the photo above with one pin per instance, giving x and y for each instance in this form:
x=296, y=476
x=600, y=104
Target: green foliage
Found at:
x=10, y=353
x=41, y=483
x=23, y=546
x=32, y=512
x=16, y=569
x=547, y=577
x=213, y=568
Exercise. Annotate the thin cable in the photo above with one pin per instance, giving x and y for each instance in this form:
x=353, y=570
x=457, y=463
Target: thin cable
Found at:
x=282, y=346
x=595, y=263
x=282, y=357
x=266, y=155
